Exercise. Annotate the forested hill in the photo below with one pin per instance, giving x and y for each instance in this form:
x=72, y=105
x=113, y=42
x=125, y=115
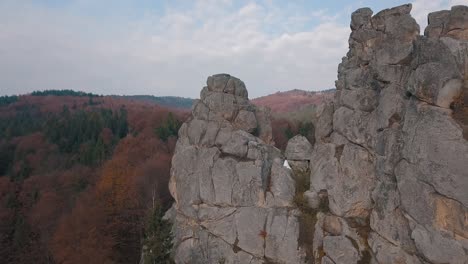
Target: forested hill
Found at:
x=169, y=101
x=78, y=173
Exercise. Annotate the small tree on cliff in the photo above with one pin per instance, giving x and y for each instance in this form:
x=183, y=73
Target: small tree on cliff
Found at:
x=157, y=243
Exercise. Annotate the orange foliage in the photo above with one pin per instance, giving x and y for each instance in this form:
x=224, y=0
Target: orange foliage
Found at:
x=79, y=214
x=82, y=235
x=114, y=186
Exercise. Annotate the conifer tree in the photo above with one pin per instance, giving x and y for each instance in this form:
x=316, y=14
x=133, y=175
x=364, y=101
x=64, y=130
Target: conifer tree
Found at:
x=157, y=243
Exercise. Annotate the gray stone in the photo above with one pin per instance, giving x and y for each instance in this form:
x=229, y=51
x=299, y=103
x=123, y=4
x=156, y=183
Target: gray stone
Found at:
x=223, y=176
x=360, y=18
x=211, y=132
x=298, y=148
x=387, y=253
x=224, y=106
x=324, y=125
x=350, y=192
x=313, y=199
x=282, y=231
x=282, y=185
x=264, y=130
x=225, y=83
x=196, y=129
x=247, y=189
x=219, y=221
x=340, y=250
x=327, y=260
x=451, y=23
x=299, y=166
x=436, y=23
x=363, y=99
x=251, y=229
x=237, y=145
x=200, y=110
x=332, y=224
x=219, y=83
x=246, y=121
x=437, y=151
x=437, y=248
x=323, y=167
x=356, y=126
x=393, y=226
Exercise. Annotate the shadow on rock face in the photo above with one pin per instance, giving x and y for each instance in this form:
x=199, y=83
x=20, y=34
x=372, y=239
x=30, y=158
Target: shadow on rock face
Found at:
x=460, y=112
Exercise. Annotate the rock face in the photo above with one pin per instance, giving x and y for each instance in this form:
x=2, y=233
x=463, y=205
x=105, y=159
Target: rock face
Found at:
x=388, y=171
x=233, y=195
x=390, y=151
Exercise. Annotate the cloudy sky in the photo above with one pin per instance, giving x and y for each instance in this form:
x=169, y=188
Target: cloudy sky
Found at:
x=169, y=47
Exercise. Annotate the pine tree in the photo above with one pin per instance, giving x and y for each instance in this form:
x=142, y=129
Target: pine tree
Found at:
x=157, y=244
x=169, y=128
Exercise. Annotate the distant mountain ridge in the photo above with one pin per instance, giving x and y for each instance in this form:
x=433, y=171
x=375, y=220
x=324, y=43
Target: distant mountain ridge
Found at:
x=278, y=102
x=293, y=100
x=66, y=92
x=169, y=101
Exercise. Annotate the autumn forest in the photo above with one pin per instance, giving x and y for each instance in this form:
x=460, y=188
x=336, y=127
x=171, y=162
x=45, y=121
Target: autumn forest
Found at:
x=81, y=173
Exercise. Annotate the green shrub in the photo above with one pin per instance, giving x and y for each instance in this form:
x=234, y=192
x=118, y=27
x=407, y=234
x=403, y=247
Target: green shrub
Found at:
x=306, y=129
x=289, y=132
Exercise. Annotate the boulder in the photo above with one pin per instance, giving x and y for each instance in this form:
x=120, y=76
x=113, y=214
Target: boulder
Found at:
x=225, y=83
x=298, y=148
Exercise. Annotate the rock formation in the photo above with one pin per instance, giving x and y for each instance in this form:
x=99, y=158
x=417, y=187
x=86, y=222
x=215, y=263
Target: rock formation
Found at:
x=391, y=154
x=233, y=197
x=388, y=171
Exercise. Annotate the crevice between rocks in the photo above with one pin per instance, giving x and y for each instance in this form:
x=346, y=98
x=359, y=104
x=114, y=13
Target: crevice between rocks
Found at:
x=231, y=245
x=460, y=112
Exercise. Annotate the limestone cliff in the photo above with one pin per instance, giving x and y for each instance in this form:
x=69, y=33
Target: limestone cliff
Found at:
x=388, y=170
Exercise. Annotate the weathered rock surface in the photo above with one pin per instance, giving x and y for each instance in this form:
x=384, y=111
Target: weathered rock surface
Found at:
x=391, y=151
x=298, y=148
x=388, y=170
x=233, y=195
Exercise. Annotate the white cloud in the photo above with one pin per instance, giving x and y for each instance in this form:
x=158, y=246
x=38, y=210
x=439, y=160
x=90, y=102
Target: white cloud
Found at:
x=172, y=51
x=421, y=8
x=169, y=54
